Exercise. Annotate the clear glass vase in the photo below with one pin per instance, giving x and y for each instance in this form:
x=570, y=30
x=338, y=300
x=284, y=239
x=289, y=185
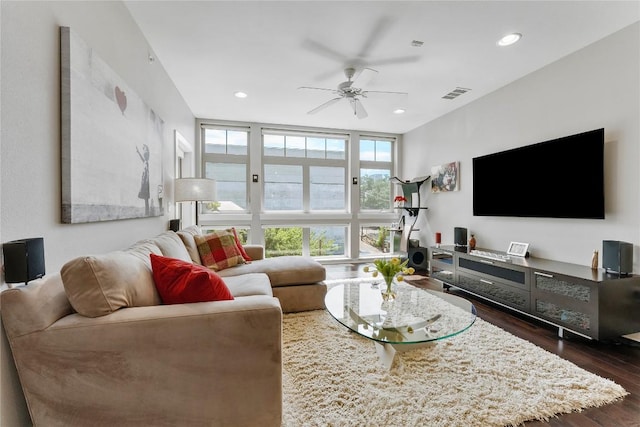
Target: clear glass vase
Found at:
x=388, y=288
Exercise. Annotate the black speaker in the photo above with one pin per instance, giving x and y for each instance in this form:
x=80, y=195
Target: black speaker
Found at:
x=460, y=236
x=617, y=257
x=174, y=224
x=23, y=260
x=418, y=258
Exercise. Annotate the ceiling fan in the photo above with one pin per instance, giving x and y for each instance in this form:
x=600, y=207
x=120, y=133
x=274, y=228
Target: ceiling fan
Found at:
x=347, y=90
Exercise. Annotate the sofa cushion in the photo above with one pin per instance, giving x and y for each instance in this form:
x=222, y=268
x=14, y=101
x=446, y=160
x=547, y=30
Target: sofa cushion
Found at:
x=171, y=246
x=101, y=284
x=187, y=236
x=142, y=249
x=180, y=282
x=282, y=271
x=218, y=250
x=249, y=284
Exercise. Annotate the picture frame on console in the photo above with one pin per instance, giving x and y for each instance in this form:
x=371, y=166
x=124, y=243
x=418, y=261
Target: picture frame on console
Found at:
x=518, y=249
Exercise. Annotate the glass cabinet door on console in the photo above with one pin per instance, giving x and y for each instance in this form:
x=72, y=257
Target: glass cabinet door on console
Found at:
x=499, y=281
x=441, y=265
x=566, y=301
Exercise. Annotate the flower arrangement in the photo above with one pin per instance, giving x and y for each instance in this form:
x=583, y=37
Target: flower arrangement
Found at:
x=399, y=200
x=390, y=269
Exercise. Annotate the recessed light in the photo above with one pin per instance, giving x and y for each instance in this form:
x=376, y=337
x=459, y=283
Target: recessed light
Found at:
x=399, y=111
x=240, y=95
x=509, y=39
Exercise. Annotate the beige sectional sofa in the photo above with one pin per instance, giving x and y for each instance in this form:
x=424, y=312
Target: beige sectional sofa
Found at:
x=94, y=346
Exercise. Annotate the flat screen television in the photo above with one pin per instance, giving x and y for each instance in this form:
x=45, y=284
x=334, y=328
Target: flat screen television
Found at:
x=560, y=178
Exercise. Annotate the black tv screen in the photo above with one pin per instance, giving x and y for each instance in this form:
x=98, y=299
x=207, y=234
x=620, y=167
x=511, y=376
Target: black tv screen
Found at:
x=560, y=178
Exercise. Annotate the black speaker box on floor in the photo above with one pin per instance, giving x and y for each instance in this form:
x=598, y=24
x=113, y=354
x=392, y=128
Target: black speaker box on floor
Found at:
x=617, y=257
x=23, y=260
x=418, y=258
x=460, y=236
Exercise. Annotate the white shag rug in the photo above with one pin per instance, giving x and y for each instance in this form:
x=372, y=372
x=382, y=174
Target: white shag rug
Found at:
x=482, y=377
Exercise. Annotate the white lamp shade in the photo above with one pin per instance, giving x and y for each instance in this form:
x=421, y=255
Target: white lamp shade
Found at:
x=195, y=190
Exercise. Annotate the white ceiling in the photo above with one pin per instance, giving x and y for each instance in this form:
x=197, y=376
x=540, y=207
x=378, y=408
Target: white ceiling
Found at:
x=269, y=49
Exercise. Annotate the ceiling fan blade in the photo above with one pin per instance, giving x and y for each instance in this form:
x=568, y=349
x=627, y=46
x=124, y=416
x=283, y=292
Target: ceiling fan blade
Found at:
x=358, y=108
x=365, y=77
x=325, y=105
x=398, y=60
x=318, y=88
x=323, y=50
x=378, y=31
x=366, y=93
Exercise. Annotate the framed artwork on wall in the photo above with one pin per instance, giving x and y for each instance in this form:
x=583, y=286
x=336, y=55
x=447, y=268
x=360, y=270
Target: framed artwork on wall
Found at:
x=111, y=141
x=445, y=177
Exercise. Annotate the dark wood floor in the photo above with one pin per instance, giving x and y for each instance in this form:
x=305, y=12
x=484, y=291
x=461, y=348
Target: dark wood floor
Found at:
x=617, y=361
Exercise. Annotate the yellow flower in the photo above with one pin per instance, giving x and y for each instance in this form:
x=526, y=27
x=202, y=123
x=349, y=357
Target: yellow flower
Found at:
x=389, y=268
x=399, y=278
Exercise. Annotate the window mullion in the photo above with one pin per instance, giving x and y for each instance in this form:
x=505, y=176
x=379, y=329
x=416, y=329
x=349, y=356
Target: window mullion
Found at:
x=306, y=188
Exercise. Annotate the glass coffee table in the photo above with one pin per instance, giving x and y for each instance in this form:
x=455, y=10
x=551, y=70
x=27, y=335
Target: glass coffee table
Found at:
x=416, y=318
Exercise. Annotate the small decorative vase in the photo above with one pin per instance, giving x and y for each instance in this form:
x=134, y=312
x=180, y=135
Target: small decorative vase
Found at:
x=388, y=294
x=472, y=242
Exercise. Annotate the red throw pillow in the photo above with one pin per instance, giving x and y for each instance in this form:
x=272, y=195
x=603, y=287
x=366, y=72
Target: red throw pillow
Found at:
x=180, y=282
x=244, y=254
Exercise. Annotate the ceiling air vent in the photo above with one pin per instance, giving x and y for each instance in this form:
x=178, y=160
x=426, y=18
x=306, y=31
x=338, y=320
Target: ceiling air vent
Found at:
x=456, y=93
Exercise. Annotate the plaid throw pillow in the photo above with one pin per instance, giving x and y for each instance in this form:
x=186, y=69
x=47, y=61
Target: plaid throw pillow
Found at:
x=246, y=257
x=218, y=250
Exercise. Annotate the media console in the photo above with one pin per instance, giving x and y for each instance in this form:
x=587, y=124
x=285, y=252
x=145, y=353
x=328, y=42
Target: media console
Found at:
x=590, y=303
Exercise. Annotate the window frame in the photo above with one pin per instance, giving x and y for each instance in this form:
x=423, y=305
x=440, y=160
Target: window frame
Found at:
x=227, y=158
x=307, y=163
x=255, y=218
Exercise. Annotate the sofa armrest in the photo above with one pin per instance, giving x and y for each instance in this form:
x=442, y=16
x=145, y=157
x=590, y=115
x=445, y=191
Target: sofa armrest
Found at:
x=184, y=364
x=255, y=252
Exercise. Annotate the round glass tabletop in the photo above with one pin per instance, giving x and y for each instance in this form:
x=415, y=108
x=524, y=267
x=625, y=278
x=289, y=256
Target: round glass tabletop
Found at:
x=415, y=316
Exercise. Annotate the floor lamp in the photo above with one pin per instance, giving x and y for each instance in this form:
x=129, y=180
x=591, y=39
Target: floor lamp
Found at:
x=195, y=190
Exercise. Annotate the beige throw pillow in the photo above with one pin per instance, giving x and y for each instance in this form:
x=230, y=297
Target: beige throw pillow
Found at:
x=99, y=285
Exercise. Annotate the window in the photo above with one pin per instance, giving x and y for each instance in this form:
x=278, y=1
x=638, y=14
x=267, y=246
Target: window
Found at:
x=282, y=187
x=375, y=171
x=328, y=241
x=304, y=172
x=225, y=153
x=375, y=240
x=321, y=241
x=313, y=147
x=301, y=202
x=225, y=141
x=327, y=190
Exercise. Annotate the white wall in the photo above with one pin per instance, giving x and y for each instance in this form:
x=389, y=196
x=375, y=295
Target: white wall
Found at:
x=598, y=86
x=30, y=136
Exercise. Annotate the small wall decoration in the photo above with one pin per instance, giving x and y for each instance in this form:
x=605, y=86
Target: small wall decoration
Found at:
x=445, y=177
x=111, y=141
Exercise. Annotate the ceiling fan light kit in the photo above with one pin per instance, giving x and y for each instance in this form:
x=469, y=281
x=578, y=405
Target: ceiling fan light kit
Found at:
x=346, y=90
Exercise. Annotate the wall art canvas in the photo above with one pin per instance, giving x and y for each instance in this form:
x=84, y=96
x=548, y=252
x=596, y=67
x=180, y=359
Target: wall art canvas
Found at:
x=445, y=177
x=111, y=141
